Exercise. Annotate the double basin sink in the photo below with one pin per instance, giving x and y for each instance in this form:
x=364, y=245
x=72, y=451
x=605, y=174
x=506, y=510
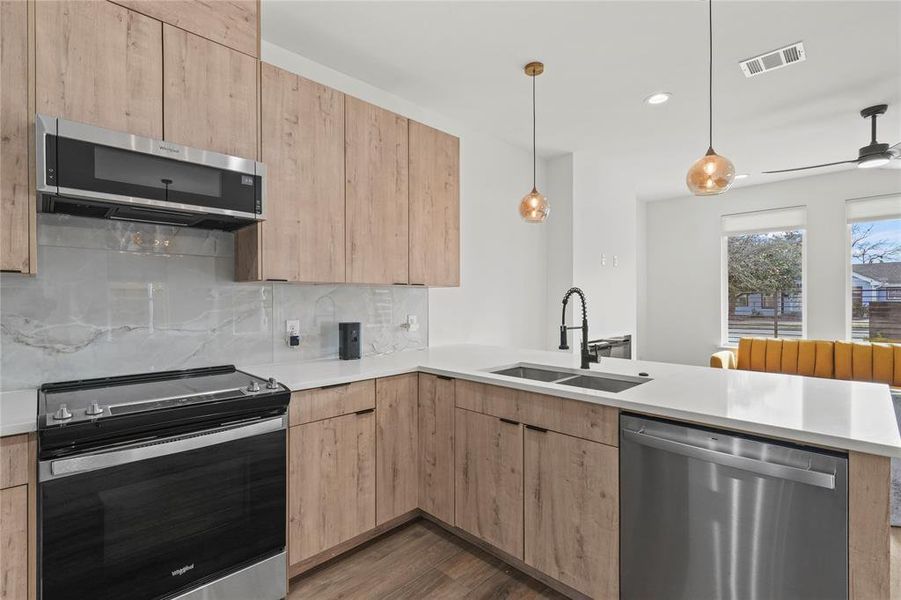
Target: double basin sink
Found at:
x=602, y=382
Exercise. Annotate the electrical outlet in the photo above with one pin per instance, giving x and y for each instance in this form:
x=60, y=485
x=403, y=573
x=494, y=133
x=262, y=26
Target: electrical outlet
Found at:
x=292, y=332
x=603, y=260
x=412, y=323
x=615, y=260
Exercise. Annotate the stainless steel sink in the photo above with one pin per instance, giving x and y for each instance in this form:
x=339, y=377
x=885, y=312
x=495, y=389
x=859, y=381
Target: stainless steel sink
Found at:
x=534, y=373
x=603, y=382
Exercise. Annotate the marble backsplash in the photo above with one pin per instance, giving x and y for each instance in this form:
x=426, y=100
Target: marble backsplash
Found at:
x=115, y=298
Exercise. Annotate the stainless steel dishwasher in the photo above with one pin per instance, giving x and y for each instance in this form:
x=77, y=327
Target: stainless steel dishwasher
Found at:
x=708, y=514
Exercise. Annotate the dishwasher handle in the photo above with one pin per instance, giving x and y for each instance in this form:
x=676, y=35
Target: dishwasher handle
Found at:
x=753, y=465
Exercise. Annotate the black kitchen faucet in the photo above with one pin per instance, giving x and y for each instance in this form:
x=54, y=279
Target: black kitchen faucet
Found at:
x=587, y=355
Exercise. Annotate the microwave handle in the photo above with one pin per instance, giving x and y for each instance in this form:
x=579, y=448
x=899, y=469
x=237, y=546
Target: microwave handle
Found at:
x=54, y=469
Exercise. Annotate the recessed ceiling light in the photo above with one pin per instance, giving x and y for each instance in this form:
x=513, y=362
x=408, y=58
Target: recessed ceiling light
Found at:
x=657, y=98
x=742, y=176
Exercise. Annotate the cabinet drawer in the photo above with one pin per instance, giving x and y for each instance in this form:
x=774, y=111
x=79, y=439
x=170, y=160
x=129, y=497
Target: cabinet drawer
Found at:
x=581, y=419
x=331, y=401
x=13, y=460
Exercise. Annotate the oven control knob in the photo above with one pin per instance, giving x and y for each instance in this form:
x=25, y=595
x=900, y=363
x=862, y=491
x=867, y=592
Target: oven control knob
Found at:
x=93, y=410
x=62, y=413
x=273, y=384
x=253, y=387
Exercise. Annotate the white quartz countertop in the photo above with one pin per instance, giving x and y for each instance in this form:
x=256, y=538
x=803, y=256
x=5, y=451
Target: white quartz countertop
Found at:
x=18, y=412
x=839, y=414
x=826, y=412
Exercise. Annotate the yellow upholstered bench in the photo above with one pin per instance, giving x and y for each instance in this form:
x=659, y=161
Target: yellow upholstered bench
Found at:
x=858, y=361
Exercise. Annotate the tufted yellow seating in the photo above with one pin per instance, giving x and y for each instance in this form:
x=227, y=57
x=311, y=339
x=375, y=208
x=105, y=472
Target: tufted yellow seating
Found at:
x=858, y=361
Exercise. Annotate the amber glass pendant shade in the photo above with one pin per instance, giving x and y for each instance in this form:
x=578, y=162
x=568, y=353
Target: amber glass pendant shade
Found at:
x=534, y=207
x=710, y=175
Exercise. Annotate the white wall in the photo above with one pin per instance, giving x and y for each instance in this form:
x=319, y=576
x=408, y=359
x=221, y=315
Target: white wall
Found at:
x=502, y=296
x=593, y=246
x=604, y=243
x=681, y=307
x=560, y=243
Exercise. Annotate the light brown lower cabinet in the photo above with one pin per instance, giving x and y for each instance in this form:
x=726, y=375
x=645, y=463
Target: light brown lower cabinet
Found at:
x=396, y=445
x=14, y=543
x=436, y=446
x=331, y=494
x=489, y=480
x=572, y=511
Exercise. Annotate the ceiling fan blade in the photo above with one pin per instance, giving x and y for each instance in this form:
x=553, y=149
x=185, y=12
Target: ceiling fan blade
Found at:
x=841, y=162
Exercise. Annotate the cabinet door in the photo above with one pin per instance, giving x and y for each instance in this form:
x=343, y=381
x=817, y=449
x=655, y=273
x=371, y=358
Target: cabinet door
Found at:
x=436, y=446
x=101, y=64
x=376, y=194
x=234, y=23
x=396, y=475
x=331, y=483
x=572, y=511
x=434, y=207
x=209, y=95
x=14, y=543
x=303, y=150
x=16, y=208
x=488, y=495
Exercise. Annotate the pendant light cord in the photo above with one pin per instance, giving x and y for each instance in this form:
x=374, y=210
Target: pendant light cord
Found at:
x=710, y=74
x=534, y=160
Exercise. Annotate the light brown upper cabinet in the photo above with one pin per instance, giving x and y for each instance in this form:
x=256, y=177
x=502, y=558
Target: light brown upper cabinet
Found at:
x=234, y=23
x=396, y=425
x=99, y=63
x=210, y=95
x=17, y=208
x=434, y=207
x=436, y=446
x=572, y=511
x=376, y=199
x=489, y=480
x=302, y=238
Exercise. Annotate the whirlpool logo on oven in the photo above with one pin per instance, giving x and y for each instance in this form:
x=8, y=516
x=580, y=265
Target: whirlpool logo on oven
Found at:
x=182, y=570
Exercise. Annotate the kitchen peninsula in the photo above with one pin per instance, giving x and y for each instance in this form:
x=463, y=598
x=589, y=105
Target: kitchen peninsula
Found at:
x=434, y=433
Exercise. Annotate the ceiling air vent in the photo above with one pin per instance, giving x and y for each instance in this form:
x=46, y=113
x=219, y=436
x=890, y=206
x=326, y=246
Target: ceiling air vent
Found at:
x=773, y=60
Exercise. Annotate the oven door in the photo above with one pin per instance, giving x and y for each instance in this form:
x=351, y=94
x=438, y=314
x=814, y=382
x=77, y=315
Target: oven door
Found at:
x=140, y=174
x=155, y=519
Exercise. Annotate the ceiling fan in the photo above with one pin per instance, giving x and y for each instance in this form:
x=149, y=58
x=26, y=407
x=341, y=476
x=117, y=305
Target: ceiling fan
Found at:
x=872, y=155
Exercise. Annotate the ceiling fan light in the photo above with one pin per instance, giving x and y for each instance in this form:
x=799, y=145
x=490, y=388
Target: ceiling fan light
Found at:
x=873, y=161
x=710, y=175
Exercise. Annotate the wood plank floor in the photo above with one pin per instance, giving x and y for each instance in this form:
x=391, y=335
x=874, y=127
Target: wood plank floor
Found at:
x=419, y=560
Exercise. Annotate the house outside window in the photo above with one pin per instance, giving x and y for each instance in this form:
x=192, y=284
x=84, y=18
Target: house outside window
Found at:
x=763, y=274
x=874, y=227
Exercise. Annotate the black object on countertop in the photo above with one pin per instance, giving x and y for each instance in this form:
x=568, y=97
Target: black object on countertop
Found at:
x=349, y=342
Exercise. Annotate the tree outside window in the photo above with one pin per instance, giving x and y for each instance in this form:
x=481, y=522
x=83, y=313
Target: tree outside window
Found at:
x=876, y=280
x=765, y=272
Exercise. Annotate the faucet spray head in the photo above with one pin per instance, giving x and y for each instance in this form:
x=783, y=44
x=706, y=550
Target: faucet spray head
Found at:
x=564, y=344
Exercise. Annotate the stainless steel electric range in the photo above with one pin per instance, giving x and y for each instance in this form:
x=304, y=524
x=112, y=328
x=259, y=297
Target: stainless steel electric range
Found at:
x=163, y=485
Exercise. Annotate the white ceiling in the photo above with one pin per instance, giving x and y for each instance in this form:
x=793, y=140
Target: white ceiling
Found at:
x=464, y=60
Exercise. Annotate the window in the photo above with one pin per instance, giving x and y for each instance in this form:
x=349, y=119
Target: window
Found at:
x=874, y=227
x=763, y=278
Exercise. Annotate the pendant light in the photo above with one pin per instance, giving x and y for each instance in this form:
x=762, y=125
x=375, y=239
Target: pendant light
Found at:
x=711, y=174
x=533, y=207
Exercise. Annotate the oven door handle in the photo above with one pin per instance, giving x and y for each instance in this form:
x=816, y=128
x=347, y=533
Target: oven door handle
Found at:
x=54, y=469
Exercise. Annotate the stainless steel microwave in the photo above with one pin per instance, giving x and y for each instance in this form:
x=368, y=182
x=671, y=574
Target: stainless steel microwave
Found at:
x=89, y=171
